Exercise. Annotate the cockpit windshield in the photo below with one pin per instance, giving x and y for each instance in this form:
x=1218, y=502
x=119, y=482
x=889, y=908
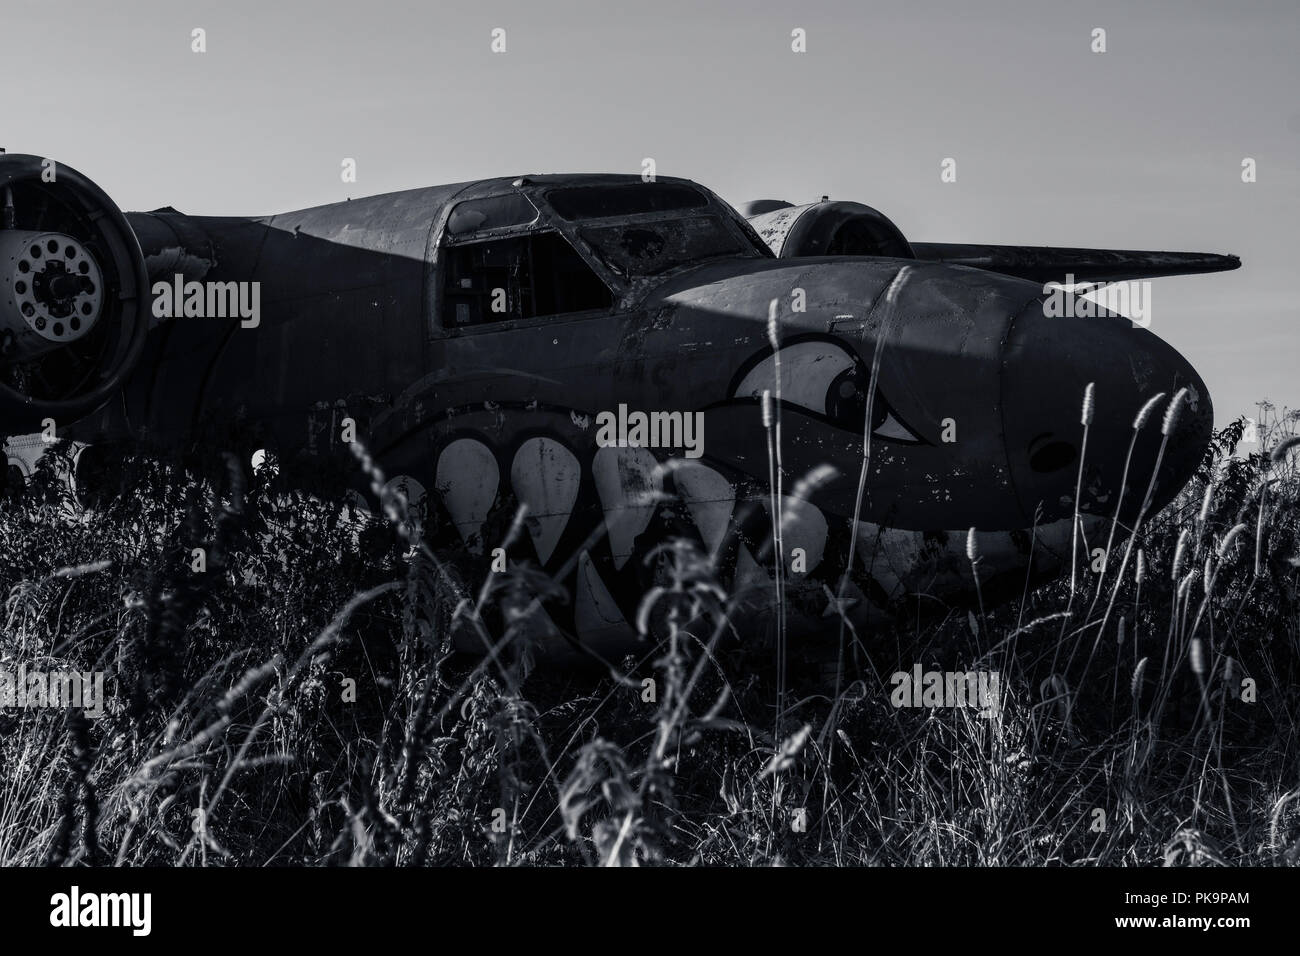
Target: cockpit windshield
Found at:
x=642, y=229
x=655, y=246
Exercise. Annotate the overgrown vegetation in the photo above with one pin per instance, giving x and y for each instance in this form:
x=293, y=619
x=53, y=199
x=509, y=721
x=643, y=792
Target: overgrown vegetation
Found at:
x=235, y=737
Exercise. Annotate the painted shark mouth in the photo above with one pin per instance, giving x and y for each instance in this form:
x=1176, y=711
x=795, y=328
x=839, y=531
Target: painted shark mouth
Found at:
x=596, y=518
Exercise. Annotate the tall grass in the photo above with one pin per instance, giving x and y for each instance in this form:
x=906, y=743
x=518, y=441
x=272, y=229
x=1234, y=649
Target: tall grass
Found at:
x=237, y=739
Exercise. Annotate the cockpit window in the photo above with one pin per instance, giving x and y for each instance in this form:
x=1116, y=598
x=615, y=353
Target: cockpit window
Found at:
x=495, y=212
x=655, y=246
x=517, y=277
x=626, y=199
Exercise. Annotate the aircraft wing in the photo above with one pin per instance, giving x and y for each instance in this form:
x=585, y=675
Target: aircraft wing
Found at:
x=1053, y=263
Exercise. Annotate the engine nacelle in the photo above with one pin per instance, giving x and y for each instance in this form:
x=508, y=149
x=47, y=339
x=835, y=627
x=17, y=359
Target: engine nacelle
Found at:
x=74, y=308
x=826, y=229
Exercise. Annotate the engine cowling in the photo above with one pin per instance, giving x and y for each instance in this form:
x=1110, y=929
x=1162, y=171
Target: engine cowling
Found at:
x=74, y=306
x=826, y=229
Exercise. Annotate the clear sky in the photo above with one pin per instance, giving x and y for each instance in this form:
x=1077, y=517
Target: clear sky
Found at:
x=1138, y=147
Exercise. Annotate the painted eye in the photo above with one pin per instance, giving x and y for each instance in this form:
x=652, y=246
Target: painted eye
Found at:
x=891, y=427
x=823, y=378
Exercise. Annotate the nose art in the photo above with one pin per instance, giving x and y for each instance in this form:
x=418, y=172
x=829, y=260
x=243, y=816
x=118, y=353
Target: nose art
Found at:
x=1048, y=362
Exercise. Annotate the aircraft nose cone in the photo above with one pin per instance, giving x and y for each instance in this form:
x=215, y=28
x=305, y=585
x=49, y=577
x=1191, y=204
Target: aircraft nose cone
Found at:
x=1048, y=363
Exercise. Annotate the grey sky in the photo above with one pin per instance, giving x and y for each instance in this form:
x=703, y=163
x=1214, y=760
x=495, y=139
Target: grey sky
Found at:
x=1139, y=147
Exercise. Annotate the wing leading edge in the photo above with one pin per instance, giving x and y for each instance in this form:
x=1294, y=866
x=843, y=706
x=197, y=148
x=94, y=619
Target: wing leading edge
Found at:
x=1053, y=263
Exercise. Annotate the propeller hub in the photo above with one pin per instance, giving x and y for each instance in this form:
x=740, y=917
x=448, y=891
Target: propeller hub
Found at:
x=51, y=292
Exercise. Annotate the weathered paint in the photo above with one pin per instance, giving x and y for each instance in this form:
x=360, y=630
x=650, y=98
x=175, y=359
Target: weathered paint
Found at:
x=494, y=416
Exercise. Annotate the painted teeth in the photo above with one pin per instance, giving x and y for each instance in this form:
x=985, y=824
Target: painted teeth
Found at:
x=749, y=573
x=467, y=479
x=889, y=555
x=413, y=492
x=356, y=509
x=628, y=483
x=710, y=499
x=533, y=624
x=803, y=526
x=599, y=622
x=545, y=476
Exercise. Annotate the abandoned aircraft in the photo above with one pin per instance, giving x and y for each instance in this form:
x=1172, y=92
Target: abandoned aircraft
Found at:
x=631, y=361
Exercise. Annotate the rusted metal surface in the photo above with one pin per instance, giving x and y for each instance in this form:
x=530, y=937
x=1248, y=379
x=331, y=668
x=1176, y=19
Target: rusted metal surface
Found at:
x=974, y=402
